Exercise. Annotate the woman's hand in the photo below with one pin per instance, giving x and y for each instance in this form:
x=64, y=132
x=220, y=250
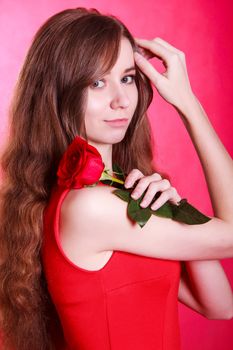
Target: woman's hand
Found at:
x=173, y=85
x=154, y=183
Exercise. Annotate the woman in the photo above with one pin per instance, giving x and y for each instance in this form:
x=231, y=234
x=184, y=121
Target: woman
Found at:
x=113, y=285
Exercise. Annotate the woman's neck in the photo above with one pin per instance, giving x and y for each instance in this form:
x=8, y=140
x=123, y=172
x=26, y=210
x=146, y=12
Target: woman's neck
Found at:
x=105, y=151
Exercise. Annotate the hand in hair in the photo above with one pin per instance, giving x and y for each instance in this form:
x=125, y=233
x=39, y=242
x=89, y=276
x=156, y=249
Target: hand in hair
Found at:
x=173, y=84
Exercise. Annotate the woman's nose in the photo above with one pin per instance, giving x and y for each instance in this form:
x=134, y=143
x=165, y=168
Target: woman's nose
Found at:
x=119, y=98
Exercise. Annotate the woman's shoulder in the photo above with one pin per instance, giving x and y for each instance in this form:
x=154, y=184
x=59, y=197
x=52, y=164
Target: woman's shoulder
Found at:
x=87, y=200
x=83, y=212
x=85, y=209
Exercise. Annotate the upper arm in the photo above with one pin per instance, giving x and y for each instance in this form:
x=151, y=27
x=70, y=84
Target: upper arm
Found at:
x=101, y=217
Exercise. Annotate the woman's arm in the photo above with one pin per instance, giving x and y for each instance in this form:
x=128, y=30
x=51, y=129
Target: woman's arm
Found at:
x=205, y=288
x=216, y=162
x=204, y=285
x=174, y=86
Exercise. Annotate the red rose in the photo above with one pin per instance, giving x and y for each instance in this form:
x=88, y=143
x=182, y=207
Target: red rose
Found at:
x=81, y=164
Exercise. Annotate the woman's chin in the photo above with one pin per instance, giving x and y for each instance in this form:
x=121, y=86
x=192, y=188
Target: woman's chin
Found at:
x=108, y=137
x=117, y=138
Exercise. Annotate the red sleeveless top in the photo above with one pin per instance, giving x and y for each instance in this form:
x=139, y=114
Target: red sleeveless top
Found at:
x=129, y=304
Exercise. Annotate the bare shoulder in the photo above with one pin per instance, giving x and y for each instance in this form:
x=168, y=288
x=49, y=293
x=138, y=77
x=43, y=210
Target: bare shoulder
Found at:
x=97, y=218
x=88, y=203
x=83, y=212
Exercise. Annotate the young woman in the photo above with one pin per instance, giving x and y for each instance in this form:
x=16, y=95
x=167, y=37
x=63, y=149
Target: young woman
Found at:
x=113, y=284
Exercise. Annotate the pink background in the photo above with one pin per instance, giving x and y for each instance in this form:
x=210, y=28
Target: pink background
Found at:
x=203, y=30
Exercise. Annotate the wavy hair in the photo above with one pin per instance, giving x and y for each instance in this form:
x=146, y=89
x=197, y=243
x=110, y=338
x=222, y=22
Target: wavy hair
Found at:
x=70, y=50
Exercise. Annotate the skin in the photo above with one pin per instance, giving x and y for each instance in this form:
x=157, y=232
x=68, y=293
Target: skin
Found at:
x=116, y=96
x=113, y=96
x=204, y=286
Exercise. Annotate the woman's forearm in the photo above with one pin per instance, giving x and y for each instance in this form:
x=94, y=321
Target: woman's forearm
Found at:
x=216, y=162
x=206, y=281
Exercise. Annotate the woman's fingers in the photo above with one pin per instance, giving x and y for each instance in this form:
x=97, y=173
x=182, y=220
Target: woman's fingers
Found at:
x=133, y=176
x=144, y=52
x=156, y=48
x=180, y=53
x=173, y=84
x=169, y=194
x=150, y=185
x=168, y=46
x=152, y=189
x=147, y=68
x=146, y=182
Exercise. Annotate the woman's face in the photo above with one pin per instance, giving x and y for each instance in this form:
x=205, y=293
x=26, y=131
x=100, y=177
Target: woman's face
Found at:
x=114, y=96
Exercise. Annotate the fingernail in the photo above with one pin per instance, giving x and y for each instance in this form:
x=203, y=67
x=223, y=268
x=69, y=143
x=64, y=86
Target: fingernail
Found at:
x=134, y=194
x=154, y=207
x=128, y=184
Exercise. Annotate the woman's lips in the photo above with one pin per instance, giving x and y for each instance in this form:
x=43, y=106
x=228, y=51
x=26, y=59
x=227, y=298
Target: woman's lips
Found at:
x=117, y=122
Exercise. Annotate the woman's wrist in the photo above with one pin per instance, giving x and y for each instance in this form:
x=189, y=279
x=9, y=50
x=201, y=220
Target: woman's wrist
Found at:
x=190, y=108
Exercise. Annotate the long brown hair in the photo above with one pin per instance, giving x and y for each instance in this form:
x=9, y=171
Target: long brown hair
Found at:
x=69, y=51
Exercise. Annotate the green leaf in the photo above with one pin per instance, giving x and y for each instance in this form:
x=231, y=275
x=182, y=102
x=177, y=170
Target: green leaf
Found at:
x=164, y=211
x=185, y=212
x=123, y=194
x=112, y=183
x=137, y=213
x=117, y=170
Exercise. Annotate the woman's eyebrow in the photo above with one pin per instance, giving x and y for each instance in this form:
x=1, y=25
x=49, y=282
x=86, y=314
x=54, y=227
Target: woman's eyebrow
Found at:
x=125, y=71
x=129, y=69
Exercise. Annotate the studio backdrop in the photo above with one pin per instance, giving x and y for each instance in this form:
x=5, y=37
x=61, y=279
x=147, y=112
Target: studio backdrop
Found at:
x=203, y=30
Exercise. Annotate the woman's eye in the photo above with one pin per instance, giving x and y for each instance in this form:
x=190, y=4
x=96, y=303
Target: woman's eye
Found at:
x=132, y=78
x=128, y=79
x=96, y=85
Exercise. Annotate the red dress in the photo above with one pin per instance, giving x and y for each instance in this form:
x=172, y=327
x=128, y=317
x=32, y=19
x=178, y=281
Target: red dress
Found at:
x=129, y=304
